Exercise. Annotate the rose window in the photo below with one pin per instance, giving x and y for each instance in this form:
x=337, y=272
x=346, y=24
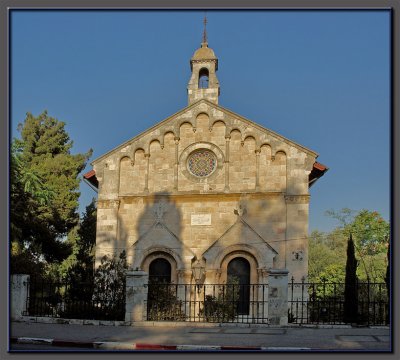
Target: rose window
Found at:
x=202, y=163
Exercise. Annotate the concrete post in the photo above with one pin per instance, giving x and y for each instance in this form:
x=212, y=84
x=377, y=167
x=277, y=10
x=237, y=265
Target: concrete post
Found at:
x=19, y=295
x=136, y=295
x=278, y=296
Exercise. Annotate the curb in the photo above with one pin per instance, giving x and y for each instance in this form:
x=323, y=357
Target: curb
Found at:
x=148, y=347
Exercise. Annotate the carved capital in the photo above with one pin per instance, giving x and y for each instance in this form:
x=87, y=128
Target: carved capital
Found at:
x=218, y=273
x=180, y=273
x=262, y=272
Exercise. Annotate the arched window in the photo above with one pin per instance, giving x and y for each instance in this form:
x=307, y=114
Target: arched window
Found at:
x=160, y=271
x=239, y=270
x=203, y=78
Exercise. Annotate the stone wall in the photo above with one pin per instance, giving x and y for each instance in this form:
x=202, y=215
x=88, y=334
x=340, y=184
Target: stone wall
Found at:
x=149, y=201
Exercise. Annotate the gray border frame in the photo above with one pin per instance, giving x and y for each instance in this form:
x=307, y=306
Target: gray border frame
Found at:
x=6, y=5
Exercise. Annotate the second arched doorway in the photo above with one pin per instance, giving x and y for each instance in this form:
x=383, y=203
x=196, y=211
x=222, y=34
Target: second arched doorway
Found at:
x=239, y=272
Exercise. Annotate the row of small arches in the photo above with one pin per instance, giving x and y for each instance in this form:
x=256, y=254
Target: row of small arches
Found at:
x=175, y=131
x=140, y=151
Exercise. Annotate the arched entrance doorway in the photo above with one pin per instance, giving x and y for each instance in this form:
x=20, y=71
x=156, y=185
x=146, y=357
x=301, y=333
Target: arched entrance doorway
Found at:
x=160, y=271
x=239, y=270
x=159, y=291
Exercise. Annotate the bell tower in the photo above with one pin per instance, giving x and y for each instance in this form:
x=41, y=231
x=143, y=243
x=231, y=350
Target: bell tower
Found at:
x=203, y=83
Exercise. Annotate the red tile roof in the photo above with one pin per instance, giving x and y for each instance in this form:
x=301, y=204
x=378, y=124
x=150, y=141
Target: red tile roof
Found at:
x=317, y=171
x=90, y=176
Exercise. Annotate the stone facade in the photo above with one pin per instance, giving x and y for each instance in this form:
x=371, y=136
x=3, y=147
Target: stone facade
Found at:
x=251, y=202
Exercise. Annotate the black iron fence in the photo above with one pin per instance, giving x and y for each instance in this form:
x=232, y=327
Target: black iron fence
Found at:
x=308, y=303
x=208, y=303
x=316, y=303
x=72, y=300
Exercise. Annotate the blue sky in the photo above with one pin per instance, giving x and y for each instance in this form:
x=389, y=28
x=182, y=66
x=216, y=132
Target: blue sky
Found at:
x=319, y=78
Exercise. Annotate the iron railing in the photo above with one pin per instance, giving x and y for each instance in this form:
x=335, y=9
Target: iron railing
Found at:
x=308, y=303
x=227, y=303
x=316, y=303
x=71, y=300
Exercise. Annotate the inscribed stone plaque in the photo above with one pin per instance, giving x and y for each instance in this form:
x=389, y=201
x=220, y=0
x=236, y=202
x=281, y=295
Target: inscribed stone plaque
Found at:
x=201, y=219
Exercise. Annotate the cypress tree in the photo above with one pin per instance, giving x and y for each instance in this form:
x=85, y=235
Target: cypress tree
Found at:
x=350, y=290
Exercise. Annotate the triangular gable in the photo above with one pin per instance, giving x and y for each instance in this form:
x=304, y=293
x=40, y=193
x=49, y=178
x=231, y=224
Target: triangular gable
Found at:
x=171, y=239
x=242, y=227
x=171, y=121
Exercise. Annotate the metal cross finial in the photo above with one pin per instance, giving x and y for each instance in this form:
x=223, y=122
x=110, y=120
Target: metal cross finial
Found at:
x=205, y=30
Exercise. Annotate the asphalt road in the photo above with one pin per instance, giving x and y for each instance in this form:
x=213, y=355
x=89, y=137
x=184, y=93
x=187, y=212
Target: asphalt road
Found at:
x=375, y=339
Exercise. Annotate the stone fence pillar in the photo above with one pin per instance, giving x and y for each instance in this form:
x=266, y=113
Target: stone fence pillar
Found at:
x=136, y=295
x=278, y=296
x=19, y=295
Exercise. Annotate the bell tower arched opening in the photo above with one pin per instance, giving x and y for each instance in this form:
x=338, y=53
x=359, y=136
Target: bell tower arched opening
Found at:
x=203, y=78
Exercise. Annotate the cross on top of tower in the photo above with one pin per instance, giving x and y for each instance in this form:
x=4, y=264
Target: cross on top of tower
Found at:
x=204, y=43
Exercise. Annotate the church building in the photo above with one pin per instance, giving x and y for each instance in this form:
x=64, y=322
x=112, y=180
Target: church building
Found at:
x=207, y=188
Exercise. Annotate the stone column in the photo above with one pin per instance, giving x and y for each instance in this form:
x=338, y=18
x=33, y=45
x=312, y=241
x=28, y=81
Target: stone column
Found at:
x=146, y=178
x=258, y=152
x=278, y=297
x=227, y=140
x=136, y=296
x=19, y=295
x=176, y=139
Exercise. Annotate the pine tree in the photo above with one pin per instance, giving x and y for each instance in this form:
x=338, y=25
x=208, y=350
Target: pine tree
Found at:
x=44, y=152
x=82, y=269
x=350, y=290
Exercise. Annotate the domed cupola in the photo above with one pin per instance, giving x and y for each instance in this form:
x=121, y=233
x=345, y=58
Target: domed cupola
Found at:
x=203, y=83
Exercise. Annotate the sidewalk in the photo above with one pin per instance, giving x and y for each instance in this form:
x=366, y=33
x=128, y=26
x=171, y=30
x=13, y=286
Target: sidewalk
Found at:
x=174, y=336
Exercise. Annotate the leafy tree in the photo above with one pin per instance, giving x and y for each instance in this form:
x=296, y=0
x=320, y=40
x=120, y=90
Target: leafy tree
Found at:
x=43, y=165
x=344, y=216
x=333, y=273
x=326, y=256
x=350, y=291
x=370, y=231
x=370, y=234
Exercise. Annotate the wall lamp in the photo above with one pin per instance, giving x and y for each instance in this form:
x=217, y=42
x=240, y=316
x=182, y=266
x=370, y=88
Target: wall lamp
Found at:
x=198, y=272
